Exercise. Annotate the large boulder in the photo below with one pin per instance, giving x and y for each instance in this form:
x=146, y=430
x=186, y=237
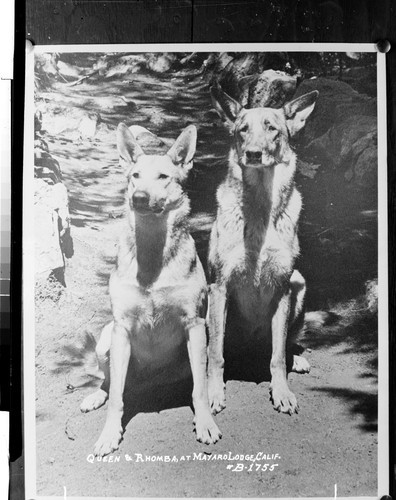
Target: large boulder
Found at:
x=160, y=62
x=342, y=131
x=52, y=218
x=231, y=76
x=53, y=241
x=272, y=89
x=337, y=102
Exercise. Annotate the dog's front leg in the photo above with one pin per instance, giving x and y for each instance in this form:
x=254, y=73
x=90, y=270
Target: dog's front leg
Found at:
x=282, y=398
x=217, y=318
x=120, y=352
x=205, y=427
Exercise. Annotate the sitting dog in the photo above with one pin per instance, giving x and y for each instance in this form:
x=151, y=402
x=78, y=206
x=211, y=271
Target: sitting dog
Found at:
x=254, y=243
x=158, y=290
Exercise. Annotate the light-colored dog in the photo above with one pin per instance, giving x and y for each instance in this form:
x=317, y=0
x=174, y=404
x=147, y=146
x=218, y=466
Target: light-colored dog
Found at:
x=158, y=290
x=254, y=243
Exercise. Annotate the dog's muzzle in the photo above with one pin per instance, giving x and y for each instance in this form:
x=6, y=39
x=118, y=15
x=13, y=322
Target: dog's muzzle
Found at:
x=141, y=203
x=253, y=156
x=258, y=159
x=140, y=200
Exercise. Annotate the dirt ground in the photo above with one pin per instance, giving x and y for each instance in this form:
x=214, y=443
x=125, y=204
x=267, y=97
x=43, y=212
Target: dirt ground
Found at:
x=331, y=443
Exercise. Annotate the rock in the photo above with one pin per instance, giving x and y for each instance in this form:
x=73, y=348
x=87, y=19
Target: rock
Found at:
x=342, y=131
x=272, y=89
x=307, y=169
x=241, y=80
x=365, y=168
x=73, y=123
x=51, y=214
x=52, y=235
x=372, y=295
x=228, y=70
x=350, y=146
x=68, y=70
x=215, y=64
x=46, y=167
x=160, y=62
x=337, y=102
x=194, y=59
x=235, y=71
x=363, y=79
x=38, y=121
x=125, y=65
x=88, y=124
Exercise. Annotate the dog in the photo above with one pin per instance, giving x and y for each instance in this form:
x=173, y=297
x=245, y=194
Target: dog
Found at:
x=254, y=244
x=158, y=290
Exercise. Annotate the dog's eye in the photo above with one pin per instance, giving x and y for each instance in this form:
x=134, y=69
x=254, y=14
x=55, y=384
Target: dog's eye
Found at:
x=163, y=176
x=136, y=175
x=244, y=128
x=271, y=128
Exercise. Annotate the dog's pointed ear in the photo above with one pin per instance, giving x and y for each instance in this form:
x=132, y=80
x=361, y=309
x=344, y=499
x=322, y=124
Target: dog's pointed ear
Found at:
x=298, y=110
x=183, y=150
x=128, y=149
x=227, y=107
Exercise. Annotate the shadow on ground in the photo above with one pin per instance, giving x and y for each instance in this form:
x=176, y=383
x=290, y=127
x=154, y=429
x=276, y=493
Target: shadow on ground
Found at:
x=359, y=403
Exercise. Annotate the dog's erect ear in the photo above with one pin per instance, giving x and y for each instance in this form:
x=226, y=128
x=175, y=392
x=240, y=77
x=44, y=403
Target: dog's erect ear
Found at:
x=225, y=105
x=183, y=150
x=128, y=149
x=298, y=110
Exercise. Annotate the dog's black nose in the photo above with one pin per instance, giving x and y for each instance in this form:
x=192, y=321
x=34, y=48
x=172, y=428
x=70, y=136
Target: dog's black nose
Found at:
x=140, y=199
x=253, y=155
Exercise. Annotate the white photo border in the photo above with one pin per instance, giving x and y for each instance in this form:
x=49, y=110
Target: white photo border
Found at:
x=28, y=232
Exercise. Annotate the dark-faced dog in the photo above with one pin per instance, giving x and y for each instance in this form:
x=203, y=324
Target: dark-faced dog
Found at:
x=254, y=243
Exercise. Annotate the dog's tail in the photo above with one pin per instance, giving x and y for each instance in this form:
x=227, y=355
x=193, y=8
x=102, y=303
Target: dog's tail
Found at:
x=315, y=320
x=346, y=313
x=89, y=356
x=81, y=358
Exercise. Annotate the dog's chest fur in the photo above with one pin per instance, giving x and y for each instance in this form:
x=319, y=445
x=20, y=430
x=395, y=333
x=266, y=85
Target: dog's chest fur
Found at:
x=157, y=315
x=258, y=242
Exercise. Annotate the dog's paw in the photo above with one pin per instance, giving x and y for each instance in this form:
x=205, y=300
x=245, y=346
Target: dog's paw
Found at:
x=216, y=395
x=206, y=429
x=300, y=365
x=283, y=400
x=94, y=401
x=109, y=440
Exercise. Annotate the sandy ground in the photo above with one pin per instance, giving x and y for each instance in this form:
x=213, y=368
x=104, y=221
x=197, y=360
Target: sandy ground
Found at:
x=331, y=443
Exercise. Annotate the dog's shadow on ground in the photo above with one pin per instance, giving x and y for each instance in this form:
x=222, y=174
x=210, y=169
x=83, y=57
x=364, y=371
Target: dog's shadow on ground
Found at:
x=250, y=361
x=153, y=393
x=248, y=356
x=156, y=397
